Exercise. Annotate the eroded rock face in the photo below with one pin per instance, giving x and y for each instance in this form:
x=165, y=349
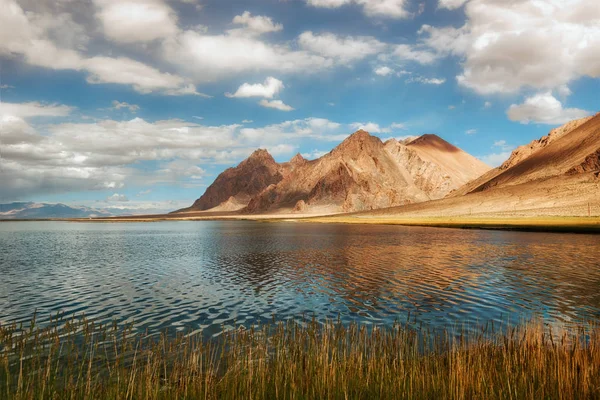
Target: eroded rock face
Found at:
x=591, y=163
x=569, y=150
x=523, y=152
x=241, y=183
x=362, y=173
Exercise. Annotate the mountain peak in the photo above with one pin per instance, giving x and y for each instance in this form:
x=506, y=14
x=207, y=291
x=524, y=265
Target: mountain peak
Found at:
x=359, y=140
x=297, y=159
x=260, y=153
x=433, y=141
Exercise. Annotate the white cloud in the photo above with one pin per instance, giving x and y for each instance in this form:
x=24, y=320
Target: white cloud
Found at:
x=373, y=127
x=471, y=131
x=313, y=155
x=564, y=91
x=544, y=108
x=34, y=109
x=30, y=35
x=426, y=81
x=501, y=152
x=207, y=58
x=451, y=4
x=370, y=127
x=395, y=9
x=142, y=77
x=117, y=105
x=383, y=71
x=247, y=121
x=405, y=52
x=254, y=25
x=268, y=89
x=309, y=128
x=343, y=49
x=509, y=45
x=131, y=21
x=276, y=104
x=117, y=197
x=495, y=159
x=487, y=104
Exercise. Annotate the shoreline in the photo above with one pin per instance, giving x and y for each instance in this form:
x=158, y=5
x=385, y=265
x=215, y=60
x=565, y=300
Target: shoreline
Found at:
x=558, y=224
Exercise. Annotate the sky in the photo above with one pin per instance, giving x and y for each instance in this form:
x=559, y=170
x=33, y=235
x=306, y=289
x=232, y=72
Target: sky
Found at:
x=140, y=104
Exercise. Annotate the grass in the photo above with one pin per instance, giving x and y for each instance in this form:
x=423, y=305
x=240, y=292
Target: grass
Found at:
x=542, y=224
x=77, y=359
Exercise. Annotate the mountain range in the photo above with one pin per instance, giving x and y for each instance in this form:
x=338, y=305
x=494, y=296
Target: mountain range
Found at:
x=557, y=174
x=30, y=210
x=362, y=173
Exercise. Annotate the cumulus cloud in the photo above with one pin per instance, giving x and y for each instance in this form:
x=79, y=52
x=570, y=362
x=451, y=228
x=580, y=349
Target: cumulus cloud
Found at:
x=395, y=9
x=373, y=127
x=509, y=45
x=108, y=154
x=131, y=21
x=254, y=25
x=276, y=104
x=426, y=81
x=313, y=155
x=207, y=58
x=342, y=49
x=451, y=4
x=143, y=78
x=30, y=36
x=383, y=71
x=501, y=151
x=268, y=89
x=34, y=109
x=405, y=52
x=544, y=108
x=117, y=197
x=309, y=128
x=117, y=105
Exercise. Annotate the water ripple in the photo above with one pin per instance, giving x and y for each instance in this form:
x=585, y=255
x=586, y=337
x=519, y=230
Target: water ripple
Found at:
x=207, y=275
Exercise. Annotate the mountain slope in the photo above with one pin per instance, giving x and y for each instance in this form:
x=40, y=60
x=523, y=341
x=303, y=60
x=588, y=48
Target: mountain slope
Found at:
x=362, y=173
x=238, y=185
x=521, y=154
x=557, y=175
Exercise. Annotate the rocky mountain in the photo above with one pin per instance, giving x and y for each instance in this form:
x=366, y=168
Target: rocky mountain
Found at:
x=522, y=153
x=235, y=187
x=32, y=210
x=362, y=173
x=556, y=175
x=570, y=149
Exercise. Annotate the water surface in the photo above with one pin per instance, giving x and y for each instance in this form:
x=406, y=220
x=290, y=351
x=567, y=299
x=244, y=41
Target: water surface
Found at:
x=209, y=275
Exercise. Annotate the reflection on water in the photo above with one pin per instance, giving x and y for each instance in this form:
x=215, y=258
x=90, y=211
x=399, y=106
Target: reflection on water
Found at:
x=206, y=275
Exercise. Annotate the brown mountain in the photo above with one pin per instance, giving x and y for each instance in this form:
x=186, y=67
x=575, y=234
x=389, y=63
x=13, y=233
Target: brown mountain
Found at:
x=571, y=146
x=558, y=174
x=234, y=188
x=362, y=173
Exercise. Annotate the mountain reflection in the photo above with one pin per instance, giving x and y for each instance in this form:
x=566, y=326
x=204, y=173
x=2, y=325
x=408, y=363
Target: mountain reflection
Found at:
x=209, y=275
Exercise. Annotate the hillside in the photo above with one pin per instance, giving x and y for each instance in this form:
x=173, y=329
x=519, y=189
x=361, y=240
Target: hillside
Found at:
x=362, y=173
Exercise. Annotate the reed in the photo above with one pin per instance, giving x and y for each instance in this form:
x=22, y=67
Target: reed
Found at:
x=78, y=359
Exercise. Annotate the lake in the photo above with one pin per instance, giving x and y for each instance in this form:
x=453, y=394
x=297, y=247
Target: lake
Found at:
x=203, y=276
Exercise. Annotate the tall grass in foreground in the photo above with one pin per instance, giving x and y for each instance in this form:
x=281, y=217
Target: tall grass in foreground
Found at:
x=77, y=359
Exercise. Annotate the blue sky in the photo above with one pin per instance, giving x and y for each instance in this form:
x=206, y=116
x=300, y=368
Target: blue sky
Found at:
x=141, y=103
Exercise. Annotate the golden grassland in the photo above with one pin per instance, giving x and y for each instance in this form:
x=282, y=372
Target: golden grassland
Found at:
x=546, y=224
x=77, y=359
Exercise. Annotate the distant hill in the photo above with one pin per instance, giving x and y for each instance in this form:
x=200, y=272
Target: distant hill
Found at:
x=32, y=210
x=362, y=173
